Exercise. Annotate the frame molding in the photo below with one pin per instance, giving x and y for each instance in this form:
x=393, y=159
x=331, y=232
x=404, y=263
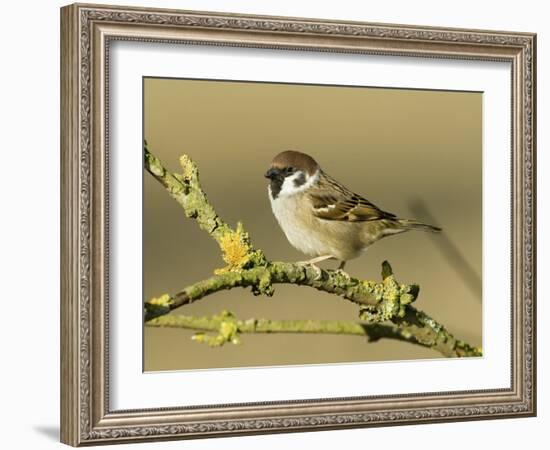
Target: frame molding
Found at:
x=86, y=31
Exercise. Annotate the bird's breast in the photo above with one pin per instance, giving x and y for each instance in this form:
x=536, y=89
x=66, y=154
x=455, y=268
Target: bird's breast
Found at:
x=296, y=223
x=309, y=234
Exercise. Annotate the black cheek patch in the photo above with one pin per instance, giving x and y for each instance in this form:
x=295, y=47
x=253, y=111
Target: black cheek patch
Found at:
x=300, y=180
x=276, y=185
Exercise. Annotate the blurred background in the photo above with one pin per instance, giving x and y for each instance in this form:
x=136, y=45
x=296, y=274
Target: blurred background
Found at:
x=415, y=153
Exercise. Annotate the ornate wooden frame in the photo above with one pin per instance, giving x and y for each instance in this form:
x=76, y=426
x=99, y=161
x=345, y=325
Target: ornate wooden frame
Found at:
x=86, y=31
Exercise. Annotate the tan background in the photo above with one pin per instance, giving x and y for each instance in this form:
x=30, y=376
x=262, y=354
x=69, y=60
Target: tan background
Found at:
x=414, y=153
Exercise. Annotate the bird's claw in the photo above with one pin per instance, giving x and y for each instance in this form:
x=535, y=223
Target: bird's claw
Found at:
x=317, y=269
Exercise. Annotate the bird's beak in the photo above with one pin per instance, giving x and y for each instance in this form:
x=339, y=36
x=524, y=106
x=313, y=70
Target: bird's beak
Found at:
x=273, y=173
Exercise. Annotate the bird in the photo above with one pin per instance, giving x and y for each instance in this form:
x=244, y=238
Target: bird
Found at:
x=321, y=217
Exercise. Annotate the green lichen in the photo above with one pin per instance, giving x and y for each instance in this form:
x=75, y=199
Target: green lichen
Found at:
x=462, y=349
x=264, y=285
x=158, y=306
x=153, y=163
x=228, y=331
x=392, y=298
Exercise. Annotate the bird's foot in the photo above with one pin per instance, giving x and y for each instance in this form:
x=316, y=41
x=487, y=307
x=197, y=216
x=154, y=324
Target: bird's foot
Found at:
x=312, y=263
x=317, y=269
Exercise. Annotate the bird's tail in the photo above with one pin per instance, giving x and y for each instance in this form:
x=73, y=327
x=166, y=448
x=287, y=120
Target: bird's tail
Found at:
x=409, y=224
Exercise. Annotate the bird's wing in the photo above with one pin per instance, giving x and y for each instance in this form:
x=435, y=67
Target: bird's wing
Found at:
x=332, y=201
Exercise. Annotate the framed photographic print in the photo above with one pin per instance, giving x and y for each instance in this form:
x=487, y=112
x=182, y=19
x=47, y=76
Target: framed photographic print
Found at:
x=276, y=224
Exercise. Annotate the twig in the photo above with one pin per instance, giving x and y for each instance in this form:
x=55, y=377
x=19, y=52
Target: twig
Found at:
x=228, y=328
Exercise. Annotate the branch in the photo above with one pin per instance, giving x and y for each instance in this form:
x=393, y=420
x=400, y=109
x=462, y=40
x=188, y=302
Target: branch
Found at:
x=228, y=329
x=248, y=267
x=186, y=190
x=382, y=300
x=428, y=332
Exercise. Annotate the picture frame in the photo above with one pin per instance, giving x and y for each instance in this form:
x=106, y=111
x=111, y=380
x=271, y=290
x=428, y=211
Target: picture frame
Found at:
x=87, y=32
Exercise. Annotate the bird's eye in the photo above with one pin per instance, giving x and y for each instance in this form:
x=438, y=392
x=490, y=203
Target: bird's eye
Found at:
x=290, y=170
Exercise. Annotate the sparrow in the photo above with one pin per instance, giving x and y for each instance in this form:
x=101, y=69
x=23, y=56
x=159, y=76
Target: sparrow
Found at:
x=321, y=217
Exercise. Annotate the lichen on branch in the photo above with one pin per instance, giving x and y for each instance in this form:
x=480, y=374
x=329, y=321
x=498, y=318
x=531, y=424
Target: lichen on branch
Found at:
x=247, y=267
x=225, y=328
x=228, y=327
x=379, y=301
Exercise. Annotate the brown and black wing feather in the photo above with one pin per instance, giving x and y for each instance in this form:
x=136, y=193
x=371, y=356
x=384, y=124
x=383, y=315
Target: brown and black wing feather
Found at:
x=332, y=201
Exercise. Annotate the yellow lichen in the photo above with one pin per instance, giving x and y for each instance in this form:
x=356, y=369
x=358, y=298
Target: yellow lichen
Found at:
x=236, y=250
x=163, y=300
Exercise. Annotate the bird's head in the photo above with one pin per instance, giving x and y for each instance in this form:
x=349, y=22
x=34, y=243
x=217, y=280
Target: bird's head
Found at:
x=291, y=172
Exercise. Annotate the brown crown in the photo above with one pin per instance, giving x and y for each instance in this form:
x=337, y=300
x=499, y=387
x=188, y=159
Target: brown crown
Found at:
x=298, y=160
